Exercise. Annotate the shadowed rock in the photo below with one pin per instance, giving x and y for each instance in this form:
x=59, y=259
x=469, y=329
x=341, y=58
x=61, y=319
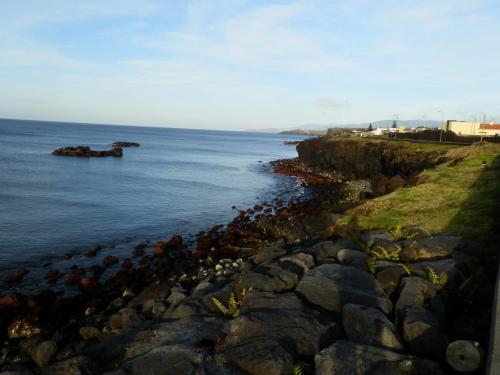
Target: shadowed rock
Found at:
x=85, y=151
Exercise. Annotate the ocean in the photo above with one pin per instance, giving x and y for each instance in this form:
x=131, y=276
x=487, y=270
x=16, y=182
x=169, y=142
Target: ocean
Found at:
x=178, y=181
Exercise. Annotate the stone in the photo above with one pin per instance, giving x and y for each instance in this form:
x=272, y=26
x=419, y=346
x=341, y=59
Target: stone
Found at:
x=80, y=365
x=268, y=278
x=110, y=260
x=12, y=302
x=368, y=325
x=324, y=251
x=22, y=328
x=269, y=253
x=163, y=247
x=422, y=333
x=451, y=267
x=125, y=144
x=431, y=248
x=414, y=292
x=298, y=263
x=286, y=317
x=330, y=286
x=349, y=358
x=125, y=318
x=389, y=278
x=352, y=258
x=175, y=298
x=259, y=355
x=89, y=332
x=43, y=353
x=52, y=276
x=156, y=290
x=369, y=237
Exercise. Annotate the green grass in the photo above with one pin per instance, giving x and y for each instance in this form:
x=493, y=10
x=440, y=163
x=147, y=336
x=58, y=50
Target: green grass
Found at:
x=411, y=145
x=461, y=198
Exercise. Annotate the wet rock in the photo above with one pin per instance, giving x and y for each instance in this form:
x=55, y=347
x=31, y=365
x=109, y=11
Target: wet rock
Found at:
x=422, y=333
x=175, y=298
x=74, y=276
x=110, y=260
x=52, y=276
x=127, y=264
x=367, y=325
x=163, y=247
x=12, y=302
x=298, y=263
x=93, y=252
x=125, y=318
x=43, y=353
x=139, y=250
x=158, y=289
x=324, y=251
x=330, y=286
x=85, y=151
x=352, y=258
x=269, y=253
x=22, y=328
x=348, y=358
x=268, y=278
x=431, y=248
x=259, y=355
x=97, y=271
x=17, y=276
x=41, y=301
x=88, y=284
x=89, y=332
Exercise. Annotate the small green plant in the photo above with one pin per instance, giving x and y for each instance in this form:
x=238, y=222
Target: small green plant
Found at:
x=371, y=263
x=407, y=268
x=400, y=233
x=381, y=253
x=233, y=304
x=437, y=279
x=297, y=369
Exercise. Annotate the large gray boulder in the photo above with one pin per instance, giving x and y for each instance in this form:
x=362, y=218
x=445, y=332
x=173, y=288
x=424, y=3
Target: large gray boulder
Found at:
x=367, y=325
x=259, y=355
x=268, y=278
x=299, y=263
x=326, y=251
x=284, y=316
x=431, y=248
x=349, y=358
x=331, y=286
x=414, y=292
x=353, y=258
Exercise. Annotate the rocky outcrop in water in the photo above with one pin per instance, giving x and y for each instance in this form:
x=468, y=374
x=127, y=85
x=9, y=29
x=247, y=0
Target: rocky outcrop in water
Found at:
x=85, y=151
x=126, y=144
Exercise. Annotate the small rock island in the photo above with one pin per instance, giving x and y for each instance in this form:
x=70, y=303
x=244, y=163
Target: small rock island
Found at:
x=126, y=144
x=85, y=151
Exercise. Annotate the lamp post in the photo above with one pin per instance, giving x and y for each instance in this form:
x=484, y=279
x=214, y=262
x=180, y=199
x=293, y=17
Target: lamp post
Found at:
x=442, y=124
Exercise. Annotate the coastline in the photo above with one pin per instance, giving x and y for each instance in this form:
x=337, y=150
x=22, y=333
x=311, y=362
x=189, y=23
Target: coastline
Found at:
x=273, y=249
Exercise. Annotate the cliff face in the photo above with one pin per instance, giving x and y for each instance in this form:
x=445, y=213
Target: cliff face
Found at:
x=387, y=164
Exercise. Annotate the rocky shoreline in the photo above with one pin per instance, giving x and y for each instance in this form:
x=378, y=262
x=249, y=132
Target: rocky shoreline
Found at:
x=85, y=151
x=284, y=288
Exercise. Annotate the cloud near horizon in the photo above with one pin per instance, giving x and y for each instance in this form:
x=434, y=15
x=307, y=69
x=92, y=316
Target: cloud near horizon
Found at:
x=241, y=64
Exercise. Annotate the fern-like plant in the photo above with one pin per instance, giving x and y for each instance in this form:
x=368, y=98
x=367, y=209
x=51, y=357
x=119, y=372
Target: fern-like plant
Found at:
x=407, y=268
x=371, y=263
x=437, y=279
x=233, y=304
x=400, y=233
x=297, y=369
x=382, y=253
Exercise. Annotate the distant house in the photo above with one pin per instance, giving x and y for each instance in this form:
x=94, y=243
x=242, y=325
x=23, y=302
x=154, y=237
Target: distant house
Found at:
x=473, y=128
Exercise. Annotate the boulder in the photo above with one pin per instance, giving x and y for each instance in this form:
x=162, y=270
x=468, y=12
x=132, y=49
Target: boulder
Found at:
x=12, y=302
x=110, y=260
x=369, y=237
x=330, y=286
x=125, y=318
x=299, y=263
x=43, y=353
x=89, y=332
x=80, y=365
x=349, y=358
x=367, y=325
x=286, y=317
x=268, y=278
x=22, y=328
x=390, y=277
x=326, y=251
x=269, y=253
x=422, y=333
x=431, y=248
x=163, y=247
x=414, y=292
x=259, y=355
x=352, y=258
x=454, y=270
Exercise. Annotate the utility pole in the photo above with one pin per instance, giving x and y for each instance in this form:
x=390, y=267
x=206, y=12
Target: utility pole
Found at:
x=442, y=124
x=484, y=123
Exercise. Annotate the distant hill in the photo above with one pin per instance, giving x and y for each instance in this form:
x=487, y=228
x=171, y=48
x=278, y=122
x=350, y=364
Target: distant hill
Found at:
x=304, y=132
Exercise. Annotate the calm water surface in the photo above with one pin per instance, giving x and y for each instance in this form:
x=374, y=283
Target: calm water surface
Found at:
x=177, y=181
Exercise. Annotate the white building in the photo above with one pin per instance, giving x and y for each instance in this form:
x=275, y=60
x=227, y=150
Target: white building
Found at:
x=472, y=128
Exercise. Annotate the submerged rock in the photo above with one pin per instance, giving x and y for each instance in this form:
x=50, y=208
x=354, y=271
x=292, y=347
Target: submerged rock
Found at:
x=125, y=144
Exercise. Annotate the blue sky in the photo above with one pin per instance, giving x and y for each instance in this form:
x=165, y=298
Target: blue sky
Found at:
x=238, y=64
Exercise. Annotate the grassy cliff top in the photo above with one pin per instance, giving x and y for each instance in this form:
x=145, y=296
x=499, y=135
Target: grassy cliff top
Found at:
x=411, y=145
x=460, y=197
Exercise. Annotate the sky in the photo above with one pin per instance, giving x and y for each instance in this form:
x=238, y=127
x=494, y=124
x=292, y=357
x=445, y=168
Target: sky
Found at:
x=240, y=64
